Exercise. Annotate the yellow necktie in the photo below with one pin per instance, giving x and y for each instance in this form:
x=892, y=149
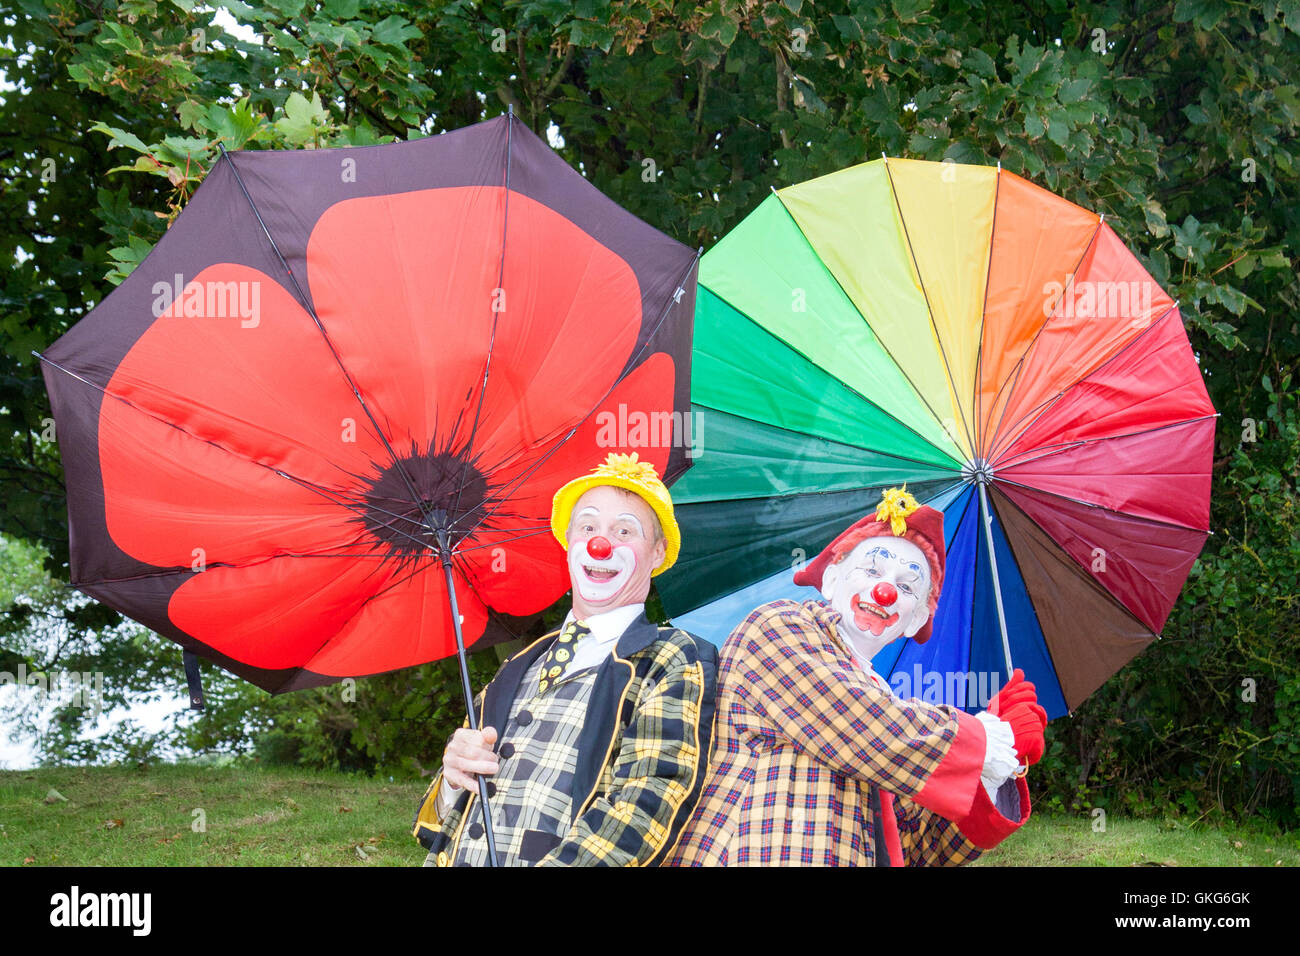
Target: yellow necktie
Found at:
x=560, y=655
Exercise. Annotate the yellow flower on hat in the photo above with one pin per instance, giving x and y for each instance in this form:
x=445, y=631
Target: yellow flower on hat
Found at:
x=895, y=505
x=621, y=471
x=627, y=466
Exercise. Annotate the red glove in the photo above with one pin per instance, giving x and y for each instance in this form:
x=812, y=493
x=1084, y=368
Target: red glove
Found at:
x=1017, y=704
x=1014, y=690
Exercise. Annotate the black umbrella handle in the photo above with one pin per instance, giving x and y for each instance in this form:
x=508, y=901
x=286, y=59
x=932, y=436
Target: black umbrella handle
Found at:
x=469, y=705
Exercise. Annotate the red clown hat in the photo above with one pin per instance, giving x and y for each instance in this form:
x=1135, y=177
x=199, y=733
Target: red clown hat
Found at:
x=898, y=515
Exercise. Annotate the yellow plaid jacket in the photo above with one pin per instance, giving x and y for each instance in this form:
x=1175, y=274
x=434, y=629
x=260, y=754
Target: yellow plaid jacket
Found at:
x=815, y=764
x=642, y=751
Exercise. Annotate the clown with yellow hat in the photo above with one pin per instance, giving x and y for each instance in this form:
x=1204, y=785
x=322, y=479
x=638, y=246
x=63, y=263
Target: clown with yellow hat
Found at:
x=596, y=736
x=618, y=527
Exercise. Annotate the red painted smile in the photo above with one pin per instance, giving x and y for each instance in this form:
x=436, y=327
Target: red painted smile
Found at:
x=871, y=617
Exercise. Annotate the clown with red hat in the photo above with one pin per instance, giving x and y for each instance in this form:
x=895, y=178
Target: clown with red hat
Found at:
x=816, y=760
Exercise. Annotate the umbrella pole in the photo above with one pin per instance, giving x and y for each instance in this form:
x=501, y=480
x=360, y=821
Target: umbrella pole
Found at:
x=445, y=553
x=997, y=586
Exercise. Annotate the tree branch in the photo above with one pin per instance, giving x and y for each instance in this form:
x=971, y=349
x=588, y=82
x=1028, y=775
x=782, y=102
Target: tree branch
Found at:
x=782, y=93
x=558, y=75
x=699, y=113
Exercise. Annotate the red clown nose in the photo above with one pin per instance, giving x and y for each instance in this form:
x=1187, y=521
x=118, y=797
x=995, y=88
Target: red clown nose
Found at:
x=884, y=594
x=599, y=548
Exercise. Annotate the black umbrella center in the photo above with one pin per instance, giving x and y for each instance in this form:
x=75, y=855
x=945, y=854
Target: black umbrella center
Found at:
x=420, y=494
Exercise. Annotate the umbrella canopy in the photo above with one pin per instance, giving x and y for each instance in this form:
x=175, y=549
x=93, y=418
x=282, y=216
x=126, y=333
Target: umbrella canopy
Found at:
x=990, y=345
x=338, y=368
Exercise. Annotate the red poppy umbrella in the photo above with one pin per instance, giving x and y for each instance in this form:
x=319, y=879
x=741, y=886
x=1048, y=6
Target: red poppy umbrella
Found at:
x=335, y=401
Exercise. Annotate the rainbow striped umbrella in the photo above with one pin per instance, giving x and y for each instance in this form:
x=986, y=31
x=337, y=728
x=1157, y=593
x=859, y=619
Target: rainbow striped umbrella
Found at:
x=996, y=348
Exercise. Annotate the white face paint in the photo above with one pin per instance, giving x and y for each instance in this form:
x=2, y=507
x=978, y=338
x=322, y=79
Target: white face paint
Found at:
x=622, y=577
x=882, y=590
x=598, y=580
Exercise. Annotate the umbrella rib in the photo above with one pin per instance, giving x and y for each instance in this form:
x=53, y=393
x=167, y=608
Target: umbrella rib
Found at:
x=1014, y=377
x=167, y=572
x=1088, y=579
x=518, y=480
x=432, y=563
x=1000, y=479
x=984, y=306
x=236, y=565
x=529, y=529
x=499, y=542
x=362, y=509
x=320, y=489
x=1043, y=407
x=970, y=513
x=390, y=526
x=997, y=581
x=873, y=451
x=334, y=497
x=845, y=385
x=162, y=421
x=456, y=552
x=514, y=454
x=310, y=308
x=1028, y=455
x=492, y=337
x=947, y=483
x=884, y=348
x=943, y=353
x=1051, y=659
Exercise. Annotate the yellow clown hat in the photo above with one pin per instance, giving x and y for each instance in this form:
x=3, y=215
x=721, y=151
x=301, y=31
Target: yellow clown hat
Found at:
x=638, y=477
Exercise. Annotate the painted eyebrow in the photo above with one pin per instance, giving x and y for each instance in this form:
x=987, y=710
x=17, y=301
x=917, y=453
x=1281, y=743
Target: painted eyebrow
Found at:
x=589, y=510
x=881, y=550
x=634, y=519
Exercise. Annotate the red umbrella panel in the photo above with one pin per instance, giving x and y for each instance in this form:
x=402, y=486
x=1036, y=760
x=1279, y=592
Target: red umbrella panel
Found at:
x=336, y=361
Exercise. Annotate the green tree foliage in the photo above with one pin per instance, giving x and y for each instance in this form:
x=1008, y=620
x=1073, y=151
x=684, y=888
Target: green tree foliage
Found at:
x=1208, y=719
x=1177, y=121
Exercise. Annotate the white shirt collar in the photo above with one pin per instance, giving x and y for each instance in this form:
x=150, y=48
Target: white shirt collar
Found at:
x=609, y=626
x=606, y=629
x=865, y=664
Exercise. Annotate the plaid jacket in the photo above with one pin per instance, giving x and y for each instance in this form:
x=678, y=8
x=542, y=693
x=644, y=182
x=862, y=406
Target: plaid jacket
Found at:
x=642, y=751
x=814, y=764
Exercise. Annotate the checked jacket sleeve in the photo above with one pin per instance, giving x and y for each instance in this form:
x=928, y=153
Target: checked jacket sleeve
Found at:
x=647, y=791
x=805, y=685
x=927, y=839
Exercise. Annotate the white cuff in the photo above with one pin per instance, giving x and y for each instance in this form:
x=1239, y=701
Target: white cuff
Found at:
x=447, y=797
x=1000, y=760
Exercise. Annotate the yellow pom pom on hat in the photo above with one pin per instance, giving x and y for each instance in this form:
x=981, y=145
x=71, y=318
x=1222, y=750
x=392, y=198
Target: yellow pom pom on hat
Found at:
x=621, y=471
x=895, y=507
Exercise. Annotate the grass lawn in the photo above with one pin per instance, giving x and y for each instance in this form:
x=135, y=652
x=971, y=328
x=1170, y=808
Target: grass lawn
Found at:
x=252, y=816
x=1061, y=840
